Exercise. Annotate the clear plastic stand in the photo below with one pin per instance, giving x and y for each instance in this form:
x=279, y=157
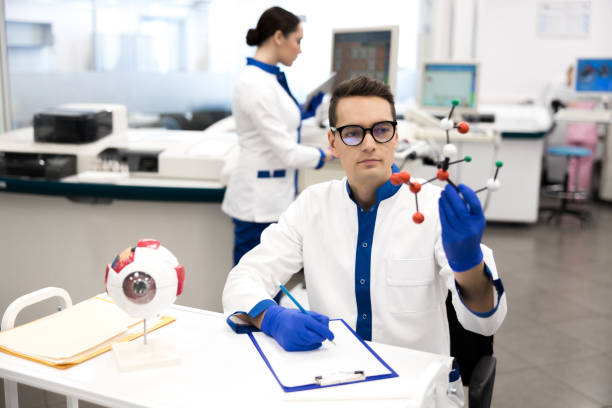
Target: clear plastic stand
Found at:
x=146, y=354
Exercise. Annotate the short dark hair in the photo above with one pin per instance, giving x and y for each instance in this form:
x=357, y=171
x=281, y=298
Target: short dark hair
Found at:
x=273, y=19
x=359, y=86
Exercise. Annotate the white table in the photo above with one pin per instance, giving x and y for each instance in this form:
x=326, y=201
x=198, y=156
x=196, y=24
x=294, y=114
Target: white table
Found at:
x=222, y=368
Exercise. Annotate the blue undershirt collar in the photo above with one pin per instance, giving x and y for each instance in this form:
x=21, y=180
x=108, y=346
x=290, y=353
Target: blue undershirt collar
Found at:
x=272, y=69
x=383, y=192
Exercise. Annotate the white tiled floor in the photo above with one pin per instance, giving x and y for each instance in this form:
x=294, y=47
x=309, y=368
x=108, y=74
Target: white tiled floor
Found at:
x=555, y=347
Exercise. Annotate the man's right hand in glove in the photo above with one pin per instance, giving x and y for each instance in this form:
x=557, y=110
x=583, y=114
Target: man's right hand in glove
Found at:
x=294, y=330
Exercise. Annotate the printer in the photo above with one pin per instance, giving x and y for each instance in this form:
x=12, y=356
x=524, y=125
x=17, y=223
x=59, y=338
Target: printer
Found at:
x=63, y=141
x=63, y=125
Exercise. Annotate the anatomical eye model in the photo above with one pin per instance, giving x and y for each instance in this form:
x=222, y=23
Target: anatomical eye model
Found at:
x=144, y=280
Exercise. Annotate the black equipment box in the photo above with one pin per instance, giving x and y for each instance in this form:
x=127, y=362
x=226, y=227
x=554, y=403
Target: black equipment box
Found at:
x=72, y=126
x=137, y=160
x=37, y=165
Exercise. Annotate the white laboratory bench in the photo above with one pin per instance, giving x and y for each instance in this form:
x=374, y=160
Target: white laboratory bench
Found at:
x=522, y=130
x=221, y=368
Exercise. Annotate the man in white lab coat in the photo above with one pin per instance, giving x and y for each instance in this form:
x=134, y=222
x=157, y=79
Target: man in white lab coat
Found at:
x=364, y=258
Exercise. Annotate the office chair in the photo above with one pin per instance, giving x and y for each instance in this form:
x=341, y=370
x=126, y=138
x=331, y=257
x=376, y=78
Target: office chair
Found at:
x=578, y=153
x=565, y=192
x=474, y=354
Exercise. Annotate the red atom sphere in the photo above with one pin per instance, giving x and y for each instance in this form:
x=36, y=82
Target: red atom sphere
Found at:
x=404, y=176
x=442, y=175
x=415, y=187
x=418, y=217
x=396, y=179
x=463, y=127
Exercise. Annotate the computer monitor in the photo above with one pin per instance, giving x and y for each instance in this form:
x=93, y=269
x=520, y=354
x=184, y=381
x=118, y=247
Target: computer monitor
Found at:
x=593, y=75
x=442, y=81
x=365, y=51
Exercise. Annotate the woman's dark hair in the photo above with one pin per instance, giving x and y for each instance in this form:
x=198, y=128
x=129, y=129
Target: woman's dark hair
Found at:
x=274, y=18
x=359, y=86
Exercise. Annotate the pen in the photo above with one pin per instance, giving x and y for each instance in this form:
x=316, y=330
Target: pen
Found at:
x=294, y=300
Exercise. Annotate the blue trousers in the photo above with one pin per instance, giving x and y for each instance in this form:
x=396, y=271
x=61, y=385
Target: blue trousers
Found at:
x=246, y=236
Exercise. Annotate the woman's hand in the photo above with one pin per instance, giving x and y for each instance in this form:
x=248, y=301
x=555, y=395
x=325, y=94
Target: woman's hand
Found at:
x=329, y=155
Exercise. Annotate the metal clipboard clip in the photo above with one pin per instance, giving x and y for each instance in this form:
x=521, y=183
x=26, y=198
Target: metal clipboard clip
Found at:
x=340, y=377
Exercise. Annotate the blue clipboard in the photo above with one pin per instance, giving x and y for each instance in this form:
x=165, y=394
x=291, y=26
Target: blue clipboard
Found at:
x=376, y=366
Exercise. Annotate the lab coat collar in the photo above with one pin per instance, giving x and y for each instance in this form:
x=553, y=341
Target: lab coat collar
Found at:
x=280, y=77
x=272, y=69
x=383, y=192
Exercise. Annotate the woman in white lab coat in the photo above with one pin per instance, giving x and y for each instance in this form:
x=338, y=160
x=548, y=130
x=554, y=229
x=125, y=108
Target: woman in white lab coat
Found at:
x=268, y=120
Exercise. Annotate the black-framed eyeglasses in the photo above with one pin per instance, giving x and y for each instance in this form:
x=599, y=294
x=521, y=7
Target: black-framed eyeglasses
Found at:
x=353, y=135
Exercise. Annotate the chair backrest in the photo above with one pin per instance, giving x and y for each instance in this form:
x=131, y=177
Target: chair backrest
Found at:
x=466, y=346
x=11, y=396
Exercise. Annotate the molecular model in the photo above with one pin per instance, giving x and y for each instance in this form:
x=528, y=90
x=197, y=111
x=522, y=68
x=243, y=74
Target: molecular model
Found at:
x=449, y=152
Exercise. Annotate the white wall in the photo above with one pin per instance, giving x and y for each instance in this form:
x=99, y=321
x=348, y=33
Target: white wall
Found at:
x=72, y=50
x=73, y=26
x=4, y=95
x=465, y=21
x=434, y=29
x=516, y=62
x=197, y=33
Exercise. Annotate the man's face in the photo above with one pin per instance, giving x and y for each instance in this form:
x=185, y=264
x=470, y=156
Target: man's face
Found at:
x=368, y=163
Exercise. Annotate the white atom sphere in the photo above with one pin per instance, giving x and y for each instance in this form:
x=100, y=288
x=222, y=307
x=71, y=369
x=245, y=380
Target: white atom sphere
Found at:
x=450, y=151
x=147, y=282
x=446, y=124
x=493, y=185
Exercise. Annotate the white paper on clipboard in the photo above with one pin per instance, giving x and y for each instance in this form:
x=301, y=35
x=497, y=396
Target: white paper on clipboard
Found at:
x=325, y=87
x=348, y=356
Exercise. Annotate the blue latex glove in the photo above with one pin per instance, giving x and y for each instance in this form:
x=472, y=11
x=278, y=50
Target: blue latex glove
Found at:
x=294, y=330
x=463, y=223
x=310, y=110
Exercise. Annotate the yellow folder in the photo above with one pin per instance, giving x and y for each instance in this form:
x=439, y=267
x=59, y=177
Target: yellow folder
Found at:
x=75, y=334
